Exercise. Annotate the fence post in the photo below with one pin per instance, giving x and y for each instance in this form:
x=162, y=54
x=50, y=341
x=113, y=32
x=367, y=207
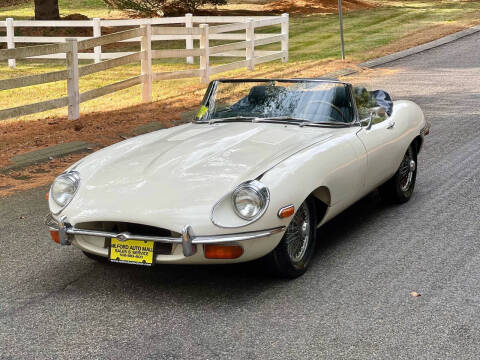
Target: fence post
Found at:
x=285, y=37
x=146, y=63
x=97, y=32
x=10, y=40
x=189, y=40
x=205, y=57
x=72, y=80
x=250, y=49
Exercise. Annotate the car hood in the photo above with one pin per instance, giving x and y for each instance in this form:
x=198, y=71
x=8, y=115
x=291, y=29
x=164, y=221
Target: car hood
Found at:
x=175, y=176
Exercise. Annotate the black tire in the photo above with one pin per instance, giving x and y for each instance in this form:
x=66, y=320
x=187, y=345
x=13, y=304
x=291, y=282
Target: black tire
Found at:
x=292, y=255
x=97, y=258
x=399, y=188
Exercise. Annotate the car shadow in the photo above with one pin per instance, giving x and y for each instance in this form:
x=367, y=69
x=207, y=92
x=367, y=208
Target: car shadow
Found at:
x=254, y=275
x=340, y=228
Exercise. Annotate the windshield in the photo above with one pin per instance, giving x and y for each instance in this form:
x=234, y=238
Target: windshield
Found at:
x=297, y=101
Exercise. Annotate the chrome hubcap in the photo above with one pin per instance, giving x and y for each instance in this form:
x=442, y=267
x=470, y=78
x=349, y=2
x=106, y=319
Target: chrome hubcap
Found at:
x=413, y=166
x=298, y=235
x=406, y=171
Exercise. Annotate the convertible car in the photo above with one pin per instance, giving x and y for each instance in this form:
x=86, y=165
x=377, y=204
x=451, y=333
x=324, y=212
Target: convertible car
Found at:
x=264, y=163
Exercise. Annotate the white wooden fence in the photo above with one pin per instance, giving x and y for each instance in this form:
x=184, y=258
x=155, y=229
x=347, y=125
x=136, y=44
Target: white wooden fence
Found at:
x=71, y=49
x=97, y=24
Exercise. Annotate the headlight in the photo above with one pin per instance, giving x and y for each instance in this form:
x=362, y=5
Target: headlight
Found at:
x=64, y=188
x=250, y=200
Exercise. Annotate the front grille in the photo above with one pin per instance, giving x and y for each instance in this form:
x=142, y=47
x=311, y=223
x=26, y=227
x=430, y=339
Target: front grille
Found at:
x=135, y=229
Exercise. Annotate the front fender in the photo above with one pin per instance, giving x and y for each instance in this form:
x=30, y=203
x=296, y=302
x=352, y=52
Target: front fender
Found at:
x=338, y=165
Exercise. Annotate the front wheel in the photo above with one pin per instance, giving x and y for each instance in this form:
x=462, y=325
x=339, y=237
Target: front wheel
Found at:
x=292, y=255
x=400, y=187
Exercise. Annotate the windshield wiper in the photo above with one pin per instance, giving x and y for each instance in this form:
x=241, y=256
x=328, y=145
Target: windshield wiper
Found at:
x=283, y=119
x=233, y=119
x=278, y=120
x=300, y=122
x=328, y=124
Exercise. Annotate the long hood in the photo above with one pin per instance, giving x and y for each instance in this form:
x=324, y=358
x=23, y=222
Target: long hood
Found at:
x=174, y=176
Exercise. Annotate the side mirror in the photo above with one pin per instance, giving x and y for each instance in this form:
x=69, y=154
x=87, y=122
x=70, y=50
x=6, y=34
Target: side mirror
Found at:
x=376, y=112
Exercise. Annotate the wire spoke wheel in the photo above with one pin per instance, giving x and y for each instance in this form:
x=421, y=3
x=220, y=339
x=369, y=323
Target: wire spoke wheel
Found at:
x=297, y=236
x=407, y=170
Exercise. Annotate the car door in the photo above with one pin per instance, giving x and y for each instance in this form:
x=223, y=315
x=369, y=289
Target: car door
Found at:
x=380, y=145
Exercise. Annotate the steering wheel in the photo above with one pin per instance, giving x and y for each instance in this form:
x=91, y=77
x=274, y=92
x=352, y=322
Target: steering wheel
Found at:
x=336, y=108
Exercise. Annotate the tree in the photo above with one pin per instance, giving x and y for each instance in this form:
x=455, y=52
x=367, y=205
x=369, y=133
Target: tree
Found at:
x=161, y=7
x=46, y=10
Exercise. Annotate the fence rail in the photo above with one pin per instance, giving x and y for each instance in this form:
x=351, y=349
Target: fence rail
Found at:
x=145, y=32
x=160, y=32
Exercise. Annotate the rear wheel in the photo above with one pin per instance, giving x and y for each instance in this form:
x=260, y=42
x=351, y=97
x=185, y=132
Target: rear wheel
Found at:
x=292, y=255
x=400, y=187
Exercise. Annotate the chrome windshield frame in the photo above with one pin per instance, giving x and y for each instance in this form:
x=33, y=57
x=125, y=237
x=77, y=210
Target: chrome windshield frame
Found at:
x=213, y=87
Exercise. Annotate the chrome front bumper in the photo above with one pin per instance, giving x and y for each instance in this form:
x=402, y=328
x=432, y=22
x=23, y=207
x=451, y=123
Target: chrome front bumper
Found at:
x=66, y=231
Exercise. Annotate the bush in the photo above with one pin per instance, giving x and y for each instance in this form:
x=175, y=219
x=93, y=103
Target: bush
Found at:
x=161, y=7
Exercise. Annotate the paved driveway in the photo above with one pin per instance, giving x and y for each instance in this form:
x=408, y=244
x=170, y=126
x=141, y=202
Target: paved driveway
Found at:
x=353, y=303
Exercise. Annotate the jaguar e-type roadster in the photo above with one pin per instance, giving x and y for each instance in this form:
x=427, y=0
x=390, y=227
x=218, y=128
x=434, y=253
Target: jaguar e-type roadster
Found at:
x=264, y=163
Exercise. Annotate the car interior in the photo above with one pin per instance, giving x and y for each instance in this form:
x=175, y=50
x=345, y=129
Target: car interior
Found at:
x=334, y=104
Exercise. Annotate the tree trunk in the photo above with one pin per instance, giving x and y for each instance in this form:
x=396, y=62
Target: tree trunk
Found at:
x=46, y=10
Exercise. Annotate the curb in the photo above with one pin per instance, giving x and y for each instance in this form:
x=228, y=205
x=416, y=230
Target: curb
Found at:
x=43, y=155
x=39, y=156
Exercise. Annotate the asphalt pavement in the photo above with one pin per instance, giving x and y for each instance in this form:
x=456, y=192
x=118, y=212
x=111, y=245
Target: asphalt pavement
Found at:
x=355, y=301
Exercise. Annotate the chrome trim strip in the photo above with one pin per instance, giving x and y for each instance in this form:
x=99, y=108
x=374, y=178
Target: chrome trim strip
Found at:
x=188, y=240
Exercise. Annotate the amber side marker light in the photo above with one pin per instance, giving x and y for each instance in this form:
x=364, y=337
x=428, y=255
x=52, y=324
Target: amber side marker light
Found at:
x=286, y=211
x=223, y=251
x=55, y=237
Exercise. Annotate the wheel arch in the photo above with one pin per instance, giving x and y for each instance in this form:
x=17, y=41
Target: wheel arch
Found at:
x=323, y=200
x=417, y=144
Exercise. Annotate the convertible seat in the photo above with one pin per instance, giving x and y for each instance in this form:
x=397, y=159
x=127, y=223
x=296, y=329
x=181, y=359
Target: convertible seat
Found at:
x=343, y=102
x=257, y=95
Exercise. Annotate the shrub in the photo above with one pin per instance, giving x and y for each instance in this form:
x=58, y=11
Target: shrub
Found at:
x=161, y=7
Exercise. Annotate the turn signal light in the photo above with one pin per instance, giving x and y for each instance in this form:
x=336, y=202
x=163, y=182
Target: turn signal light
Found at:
x=286, y=211
x=55, y=236
x=223, y=251
x=47, y=195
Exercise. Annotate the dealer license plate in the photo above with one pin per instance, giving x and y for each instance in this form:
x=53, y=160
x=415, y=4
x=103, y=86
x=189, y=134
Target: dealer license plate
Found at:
x=131, y=252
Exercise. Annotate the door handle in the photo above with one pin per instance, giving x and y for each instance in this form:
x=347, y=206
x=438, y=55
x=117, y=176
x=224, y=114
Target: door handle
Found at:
x=391, y=125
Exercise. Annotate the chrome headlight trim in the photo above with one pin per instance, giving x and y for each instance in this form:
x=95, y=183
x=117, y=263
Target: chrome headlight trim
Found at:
x=74, y=178
x=256, y=188
x=227, y=199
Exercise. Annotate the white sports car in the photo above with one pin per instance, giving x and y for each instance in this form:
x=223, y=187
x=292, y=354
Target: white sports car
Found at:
x=261, y=167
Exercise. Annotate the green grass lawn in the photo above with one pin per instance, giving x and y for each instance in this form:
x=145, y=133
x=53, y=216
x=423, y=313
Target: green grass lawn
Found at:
x=312, y=38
